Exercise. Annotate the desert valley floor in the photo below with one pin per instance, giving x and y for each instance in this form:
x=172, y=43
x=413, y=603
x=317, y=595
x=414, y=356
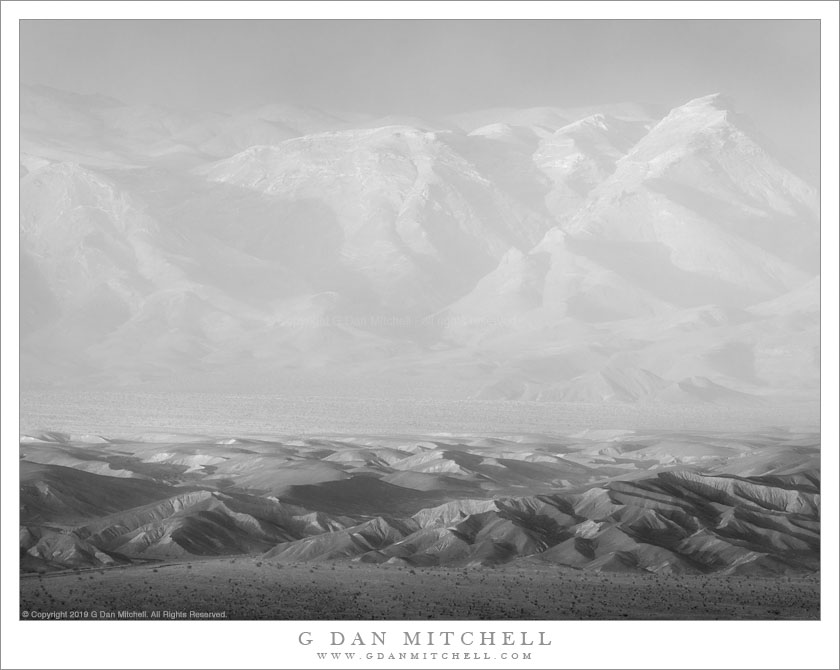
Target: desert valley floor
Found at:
x=610, y=524
x=257, y=588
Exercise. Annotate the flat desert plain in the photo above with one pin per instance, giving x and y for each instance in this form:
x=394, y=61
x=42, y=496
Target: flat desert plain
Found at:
x=256, y=588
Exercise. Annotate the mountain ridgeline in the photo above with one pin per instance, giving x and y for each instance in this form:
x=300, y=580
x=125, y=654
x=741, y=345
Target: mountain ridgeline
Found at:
x=642, y=502
x=621, y=254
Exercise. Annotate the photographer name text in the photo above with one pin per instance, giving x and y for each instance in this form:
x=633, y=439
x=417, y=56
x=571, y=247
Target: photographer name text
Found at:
x=428, y=638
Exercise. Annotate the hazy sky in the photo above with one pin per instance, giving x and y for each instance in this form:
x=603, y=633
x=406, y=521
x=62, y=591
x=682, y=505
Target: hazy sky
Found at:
x=770, y=68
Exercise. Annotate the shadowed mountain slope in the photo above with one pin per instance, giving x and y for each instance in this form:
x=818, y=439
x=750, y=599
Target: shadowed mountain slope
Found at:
x=661, y=501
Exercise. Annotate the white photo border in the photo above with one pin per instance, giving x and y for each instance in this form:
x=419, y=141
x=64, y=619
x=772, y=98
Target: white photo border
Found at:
x=274, y=644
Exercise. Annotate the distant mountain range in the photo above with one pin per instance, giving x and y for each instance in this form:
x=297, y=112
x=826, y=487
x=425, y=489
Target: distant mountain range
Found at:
x=618, y=254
